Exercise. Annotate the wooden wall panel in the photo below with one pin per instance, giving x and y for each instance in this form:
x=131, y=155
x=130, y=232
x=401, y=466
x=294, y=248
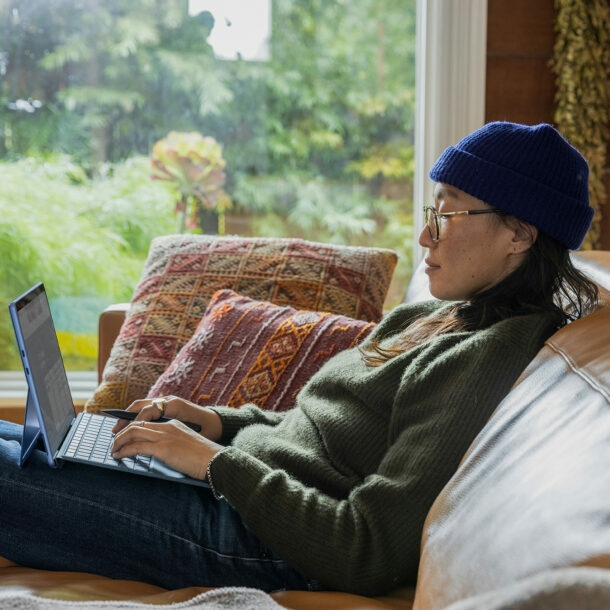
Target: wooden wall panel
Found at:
x=605, y=224
x=510, y=83
x=520, y=86
x=520, y=26
x=519, y=82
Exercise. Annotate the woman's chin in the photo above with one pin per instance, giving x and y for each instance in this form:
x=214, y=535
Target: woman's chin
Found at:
x=444, y=293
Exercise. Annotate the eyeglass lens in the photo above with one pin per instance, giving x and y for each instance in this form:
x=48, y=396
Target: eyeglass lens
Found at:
x=432, y=222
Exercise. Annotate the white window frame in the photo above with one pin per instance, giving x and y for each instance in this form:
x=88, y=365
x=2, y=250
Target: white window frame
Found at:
x=449, y=86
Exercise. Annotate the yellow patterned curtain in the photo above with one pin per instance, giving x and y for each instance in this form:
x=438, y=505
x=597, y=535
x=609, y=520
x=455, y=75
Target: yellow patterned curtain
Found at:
x=581, y=63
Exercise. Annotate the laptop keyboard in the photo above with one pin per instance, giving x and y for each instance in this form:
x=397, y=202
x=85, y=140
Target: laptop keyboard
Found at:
x=91, y=443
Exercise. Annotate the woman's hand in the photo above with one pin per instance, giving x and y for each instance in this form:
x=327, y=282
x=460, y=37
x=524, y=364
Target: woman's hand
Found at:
x=175, y=408
x=172, y=442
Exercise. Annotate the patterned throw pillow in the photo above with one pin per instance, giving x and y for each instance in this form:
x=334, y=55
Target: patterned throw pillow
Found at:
x=182, y=272
x=253, y=351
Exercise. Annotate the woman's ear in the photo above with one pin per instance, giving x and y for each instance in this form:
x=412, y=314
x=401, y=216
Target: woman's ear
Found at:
x=525, y=235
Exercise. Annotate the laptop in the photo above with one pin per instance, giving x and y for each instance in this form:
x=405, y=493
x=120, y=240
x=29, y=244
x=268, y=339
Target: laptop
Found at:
x=50, y=418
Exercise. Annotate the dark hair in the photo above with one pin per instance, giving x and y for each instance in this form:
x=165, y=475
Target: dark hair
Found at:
x=546, y=281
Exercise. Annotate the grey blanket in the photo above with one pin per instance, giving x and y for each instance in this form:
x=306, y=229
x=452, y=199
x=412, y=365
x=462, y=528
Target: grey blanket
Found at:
x=227, y=598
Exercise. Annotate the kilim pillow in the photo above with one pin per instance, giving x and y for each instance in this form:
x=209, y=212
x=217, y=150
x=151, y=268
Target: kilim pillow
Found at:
x=182, y=272
x=247, y=351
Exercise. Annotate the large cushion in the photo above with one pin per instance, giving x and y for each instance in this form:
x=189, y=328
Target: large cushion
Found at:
x=254, y=351
x=182, y=272
x=533, y=492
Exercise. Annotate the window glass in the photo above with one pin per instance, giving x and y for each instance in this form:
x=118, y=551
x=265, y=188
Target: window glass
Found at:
x=310, y=104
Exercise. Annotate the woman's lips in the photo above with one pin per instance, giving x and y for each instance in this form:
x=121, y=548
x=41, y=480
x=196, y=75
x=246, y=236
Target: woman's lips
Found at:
x=430, y=266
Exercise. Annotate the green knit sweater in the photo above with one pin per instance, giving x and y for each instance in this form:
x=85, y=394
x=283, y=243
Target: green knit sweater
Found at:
x=340, y=485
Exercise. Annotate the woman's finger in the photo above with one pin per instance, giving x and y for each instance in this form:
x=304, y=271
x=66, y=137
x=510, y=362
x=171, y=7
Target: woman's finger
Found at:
x=144, y=412
x=137, y=431
x=172, y=442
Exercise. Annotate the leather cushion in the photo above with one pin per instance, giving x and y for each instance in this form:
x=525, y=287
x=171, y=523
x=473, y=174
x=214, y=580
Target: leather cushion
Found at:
x=533, y=492
x=78, y=586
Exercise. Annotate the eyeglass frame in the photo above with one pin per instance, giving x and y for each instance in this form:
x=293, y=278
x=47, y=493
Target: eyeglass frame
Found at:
x=431, y=210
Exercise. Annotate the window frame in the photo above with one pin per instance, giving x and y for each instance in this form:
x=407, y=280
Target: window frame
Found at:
x=451, y=56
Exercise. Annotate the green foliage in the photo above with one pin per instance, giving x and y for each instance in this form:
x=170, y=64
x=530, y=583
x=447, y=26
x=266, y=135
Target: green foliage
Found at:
x=194, y=165
x=339, y=83
x=386, y=160
x=126, y=202
x=581, y=64
x=120, y=67
x=82, y=237
x=332, y=212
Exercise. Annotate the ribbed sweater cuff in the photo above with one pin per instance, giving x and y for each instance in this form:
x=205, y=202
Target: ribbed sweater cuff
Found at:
x=232, y=422
x=234, y=473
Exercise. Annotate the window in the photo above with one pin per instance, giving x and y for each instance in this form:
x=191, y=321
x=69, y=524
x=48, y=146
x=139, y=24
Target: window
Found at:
x=312, y=102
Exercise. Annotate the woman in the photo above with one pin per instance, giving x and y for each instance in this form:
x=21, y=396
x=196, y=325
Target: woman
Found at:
x=334, y=493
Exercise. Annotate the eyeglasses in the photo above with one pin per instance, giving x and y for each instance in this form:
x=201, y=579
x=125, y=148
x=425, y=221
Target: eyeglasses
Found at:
x=432, y=215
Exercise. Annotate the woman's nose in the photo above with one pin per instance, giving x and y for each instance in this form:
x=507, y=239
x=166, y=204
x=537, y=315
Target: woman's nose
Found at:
x=424, y=240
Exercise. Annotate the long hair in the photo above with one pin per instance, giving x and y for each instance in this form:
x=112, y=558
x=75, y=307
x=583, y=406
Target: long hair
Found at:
x=546, y=281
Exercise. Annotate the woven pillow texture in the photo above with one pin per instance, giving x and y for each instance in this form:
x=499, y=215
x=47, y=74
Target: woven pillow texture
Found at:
x=182, y=272
x=248, y=351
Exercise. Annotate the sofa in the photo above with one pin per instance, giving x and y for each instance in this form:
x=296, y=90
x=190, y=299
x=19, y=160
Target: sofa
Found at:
x=523, y=523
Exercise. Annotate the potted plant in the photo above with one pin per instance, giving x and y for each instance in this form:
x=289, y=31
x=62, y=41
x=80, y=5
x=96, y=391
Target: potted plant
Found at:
x=195, y=165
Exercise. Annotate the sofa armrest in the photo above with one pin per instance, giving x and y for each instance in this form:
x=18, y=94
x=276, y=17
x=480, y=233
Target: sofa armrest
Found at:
x=595, y=264
x=110, y=322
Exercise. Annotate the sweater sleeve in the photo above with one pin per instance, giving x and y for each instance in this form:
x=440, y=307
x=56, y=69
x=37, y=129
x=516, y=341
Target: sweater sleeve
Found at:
x=233, y=420
x=368, y=542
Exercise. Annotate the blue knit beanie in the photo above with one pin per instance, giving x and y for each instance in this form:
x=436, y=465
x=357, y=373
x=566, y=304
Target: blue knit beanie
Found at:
x=531, y=172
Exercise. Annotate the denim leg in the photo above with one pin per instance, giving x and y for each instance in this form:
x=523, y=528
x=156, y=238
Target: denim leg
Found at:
x=89, y=519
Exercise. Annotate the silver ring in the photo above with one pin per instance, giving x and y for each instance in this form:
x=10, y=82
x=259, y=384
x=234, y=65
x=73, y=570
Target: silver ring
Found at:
x=160, y=403
x=142, y=423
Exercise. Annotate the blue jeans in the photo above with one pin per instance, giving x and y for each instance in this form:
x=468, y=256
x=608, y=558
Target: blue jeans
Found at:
x=83, y=518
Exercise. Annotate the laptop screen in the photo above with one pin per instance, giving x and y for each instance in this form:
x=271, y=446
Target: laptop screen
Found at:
x=43, y=363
